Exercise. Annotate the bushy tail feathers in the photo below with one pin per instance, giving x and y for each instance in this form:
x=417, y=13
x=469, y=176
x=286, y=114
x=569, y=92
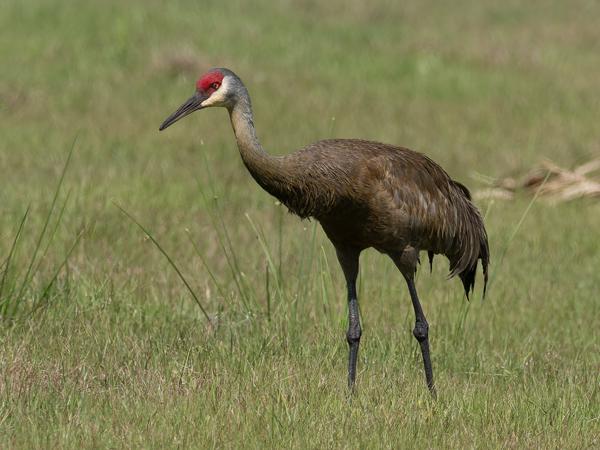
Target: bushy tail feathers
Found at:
x=467, y=276
x=464, y=263
x=470, y=246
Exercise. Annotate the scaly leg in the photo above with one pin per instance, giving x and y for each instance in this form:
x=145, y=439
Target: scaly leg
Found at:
x=421, y=333
x=348, y=259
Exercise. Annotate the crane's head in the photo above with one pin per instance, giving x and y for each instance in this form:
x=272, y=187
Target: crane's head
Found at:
x=217, y=87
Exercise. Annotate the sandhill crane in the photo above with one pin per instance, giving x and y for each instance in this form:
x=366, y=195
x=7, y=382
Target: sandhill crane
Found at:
x=365, y=194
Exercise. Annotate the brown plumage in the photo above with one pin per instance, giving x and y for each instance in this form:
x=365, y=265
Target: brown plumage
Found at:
x=364, y=194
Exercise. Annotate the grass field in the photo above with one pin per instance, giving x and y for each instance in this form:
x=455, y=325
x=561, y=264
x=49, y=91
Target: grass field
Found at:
x=103, y=347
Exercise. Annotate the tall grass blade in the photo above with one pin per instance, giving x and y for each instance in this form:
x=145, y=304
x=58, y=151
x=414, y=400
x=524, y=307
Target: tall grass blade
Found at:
x=53, y=232
x=268, y=293
x=235, y=265
x=11, y=253
x=323, y=268
x=517, y=228
x=280, y=241
x=207, y=267
x=224, y=242
x=225, y=245
x=46, y=290
x=307, y=262
x=171, y=262
x=29, y=271
x=265, y=248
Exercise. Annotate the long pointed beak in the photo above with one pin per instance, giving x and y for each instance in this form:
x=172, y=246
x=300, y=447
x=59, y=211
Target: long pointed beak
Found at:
x=194, y=103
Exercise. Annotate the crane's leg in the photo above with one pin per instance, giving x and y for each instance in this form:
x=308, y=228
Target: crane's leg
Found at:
x=421, y=333
x=406, y=261
x=348, y=259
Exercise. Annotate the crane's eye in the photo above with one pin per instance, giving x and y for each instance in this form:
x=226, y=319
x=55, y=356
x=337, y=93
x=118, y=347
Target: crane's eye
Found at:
x=215, y=85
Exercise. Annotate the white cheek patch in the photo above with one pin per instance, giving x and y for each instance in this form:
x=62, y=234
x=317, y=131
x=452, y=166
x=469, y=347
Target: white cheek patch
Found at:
x=218, y=96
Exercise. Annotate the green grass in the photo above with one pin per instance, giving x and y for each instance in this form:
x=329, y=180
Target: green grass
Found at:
x=118, y=355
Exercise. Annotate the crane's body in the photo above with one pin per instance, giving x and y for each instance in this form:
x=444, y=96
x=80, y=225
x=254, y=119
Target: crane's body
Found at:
x=365, y=194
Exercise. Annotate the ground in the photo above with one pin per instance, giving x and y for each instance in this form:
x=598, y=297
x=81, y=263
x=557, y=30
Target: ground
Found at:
x=104, y=346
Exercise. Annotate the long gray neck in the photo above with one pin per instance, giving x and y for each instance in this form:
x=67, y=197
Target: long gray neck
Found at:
x=270, y=172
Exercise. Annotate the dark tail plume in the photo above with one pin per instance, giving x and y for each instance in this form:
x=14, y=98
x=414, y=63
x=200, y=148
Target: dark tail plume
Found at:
x=470, y=246
x=468, y=276
x=430, y=254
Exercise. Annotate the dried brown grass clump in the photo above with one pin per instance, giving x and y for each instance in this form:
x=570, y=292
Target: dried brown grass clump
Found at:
x=551, y=181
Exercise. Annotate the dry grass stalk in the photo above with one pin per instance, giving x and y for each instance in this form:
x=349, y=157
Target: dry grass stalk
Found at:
x=561, y=184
